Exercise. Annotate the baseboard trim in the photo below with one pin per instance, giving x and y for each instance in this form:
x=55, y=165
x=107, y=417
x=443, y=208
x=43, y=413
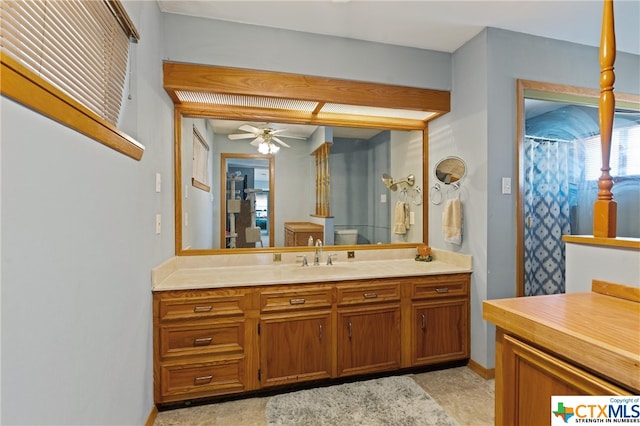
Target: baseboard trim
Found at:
x=485, y=373
x=152, y=416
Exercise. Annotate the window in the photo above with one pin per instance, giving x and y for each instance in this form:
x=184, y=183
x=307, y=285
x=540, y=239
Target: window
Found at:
x=68, y=61
x=200, y=177
x=625, y=151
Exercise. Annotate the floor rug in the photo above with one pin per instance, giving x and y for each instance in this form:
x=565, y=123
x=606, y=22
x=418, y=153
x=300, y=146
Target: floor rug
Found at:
x=396, y=400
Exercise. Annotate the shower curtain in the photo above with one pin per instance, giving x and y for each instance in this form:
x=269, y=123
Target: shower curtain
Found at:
x=546, y=213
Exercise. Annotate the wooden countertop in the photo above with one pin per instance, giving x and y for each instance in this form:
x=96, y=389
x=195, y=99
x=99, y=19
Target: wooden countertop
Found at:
x=303, y=227
x=598, y=332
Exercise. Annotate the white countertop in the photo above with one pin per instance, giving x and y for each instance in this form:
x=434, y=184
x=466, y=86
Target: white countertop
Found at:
x=197, y=274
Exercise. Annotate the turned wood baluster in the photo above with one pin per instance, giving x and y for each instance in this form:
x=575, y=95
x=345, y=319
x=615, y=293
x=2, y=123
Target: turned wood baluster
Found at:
x=605, y=209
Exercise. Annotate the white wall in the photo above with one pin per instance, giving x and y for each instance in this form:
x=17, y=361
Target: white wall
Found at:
x=78, y=244
x=585, y=263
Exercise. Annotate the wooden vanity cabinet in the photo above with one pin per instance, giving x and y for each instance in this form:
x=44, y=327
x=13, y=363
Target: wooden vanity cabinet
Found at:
x=533, y=377
x=295, y=334
x=297, y=234
x=440, y=319
x=232, y=340
x=199, y=343
x=368, y=327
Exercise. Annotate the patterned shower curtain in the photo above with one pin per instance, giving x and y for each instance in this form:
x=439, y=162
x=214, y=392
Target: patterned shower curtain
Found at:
x=546, y=213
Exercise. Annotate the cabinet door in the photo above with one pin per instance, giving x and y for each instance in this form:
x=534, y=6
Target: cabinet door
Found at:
x=295, y=348
x=527, y=378
x=440, y=331
x=368, y=340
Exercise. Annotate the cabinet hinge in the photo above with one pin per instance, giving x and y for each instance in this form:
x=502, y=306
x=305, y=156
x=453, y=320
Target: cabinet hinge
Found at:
x=259, y=374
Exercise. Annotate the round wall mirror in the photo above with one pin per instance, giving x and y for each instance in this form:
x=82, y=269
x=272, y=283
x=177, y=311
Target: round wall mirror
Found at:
x=450, y=170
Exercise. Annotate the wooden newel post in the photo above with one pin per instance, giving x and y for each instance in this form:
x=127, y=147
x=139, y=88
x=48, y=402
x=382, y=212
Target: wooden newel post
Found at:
x=605, y=209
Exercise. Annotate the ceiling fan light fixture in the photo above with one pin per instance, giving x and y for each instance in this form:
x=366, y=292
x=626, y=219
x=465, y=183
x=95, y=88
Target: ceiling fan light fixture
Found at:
x=268, y=148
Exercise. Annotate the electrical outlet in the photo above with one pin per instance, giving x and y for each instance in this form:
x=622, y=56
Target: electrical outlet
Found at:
x=351, y=255
x=158, y=182
x=277, y=257
x=158, y=223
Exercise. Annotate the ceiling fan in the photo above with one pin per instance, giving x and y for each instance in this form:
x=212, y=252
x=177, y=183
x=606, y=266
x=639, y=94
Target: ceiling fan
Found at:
x=264, y=138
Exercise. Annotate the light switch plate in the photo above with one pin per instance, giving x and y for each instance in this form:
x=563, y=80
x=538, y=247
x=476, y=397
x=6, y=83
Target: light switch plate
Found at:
x=383, y=198
x=158, y=223
x=506, y=185
x=412, y=218
x=158, y=182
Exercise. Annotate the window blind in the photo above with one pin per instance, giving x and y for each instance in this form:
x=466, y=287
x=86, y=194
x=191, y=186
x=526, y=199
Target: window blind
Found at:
x=81, y=47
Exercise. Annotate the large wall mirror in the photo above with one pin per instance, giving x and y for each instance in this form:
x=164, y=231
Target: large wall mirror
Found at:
x=364, y=130
x=254, y=196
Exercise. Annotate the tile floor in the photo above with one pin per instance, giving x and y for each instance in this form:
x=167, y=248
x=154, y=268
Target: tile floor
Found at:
x=465, y=395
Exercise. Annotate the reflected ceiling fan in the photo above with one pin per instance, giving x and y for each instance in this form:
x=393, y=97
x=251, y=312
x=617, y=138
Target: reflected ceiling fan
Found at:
x=263, y=138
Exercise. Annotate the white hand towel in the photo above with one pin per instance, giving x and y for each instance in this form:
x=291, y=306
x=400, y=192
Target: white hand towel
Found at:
x=452, y=221
x=400, y=220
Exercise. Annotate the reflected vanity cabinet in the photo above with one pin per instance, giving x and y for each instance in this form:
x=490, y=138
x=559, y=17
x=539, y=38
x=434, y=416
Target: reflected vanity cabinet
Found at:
x=297, y=234
x=222, y=341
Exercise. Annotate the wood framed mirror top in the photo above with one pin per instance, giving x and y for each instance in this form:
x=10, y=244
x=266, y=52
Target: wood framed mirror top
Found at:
x=348, y=119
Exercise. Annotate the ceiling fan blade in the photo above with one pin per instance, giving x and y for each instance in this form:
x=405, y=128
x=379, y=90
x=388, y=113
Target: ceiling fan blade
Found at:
x=280, y=142
x=293, y=137
x=250, y=129
x=257, y=141
x=241, y=136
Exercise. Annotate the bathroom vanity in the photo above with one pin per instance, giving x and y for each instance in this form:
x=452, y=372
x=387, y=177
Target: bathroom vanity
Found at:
x=221, y=330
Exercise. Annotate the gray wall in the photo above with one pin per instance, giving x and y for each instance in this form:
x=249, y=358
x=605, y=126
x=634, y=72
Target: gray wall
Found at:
x=78, y=245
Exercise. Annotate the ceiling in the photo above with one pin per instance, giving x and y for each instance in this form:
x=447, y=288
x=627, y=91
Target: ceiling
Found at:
x=427, y=24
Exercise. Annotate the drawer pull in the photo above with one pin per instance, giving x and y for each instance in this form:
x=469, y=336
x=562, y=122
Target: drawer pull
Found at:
x=202, y=380
x=320, y=334
x=442, y=289
x=423, y=326
x=349, y=329
x=203, y=308
x=300, y=301
x=370, y=295
x=203, y=341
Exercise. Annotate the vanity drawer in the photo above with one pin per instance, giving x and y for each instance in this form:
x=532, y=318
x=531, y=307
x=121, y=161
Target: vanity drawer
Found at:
x=199, y=307
x=202, y=379
x=441, y=286
x=368, y=293
x=203, y=338
x=294, y=299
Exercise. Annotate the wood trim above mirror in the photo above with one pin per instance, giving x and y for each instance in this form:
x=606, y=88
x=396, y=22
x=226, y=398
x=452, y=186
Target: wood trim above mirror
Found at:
x=205, y=81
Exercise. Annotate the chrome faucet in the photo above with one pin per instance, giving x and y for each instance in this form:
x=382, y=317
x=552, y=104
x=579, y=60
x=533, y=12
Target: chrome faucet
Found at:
x=318, y=253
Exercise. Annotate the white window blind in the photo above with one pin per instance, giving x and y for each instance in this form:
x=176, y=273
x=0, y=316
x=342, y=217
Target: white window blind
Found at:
x=624, y=159
x=80, y=47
